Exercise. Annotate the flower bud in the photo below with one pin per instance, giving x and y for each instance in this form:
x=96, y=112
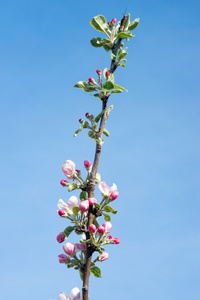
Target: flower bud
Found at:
x=80, y=120
x=60, y=237
x=103, y=256
x=63, y=259
x=61, y=212
x=107, y=73
x=92, y=201
x=114, y=195
x=92, y=228
x=69, y=249
x=78, y=171
x=114, y=21
x=98, y=71
x=87, y=115
x=84, y=205
x=80, y=246
x=108, y=23
x=87, y=164
x=75, y=294
x=116, y=240
x=101, y=229
x=69, y=169
x=109, y=237
x=64, y=182
x=91, y=79
x=107, y=226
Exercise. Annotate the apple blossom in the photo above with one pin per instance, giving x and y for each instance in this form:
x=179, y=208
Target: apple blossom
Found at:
x=114, y=195
x=60, y=237
x=73, y=201
x=98, y=71
x=80, y=246
x=75, y=294
x=109, y=237
x=69, y=249
x=107, y=226
x=101, y=229
x=87, y=164
x=92, y=201
x=92, y=228
x=103, y=256
x=69, y=169
x=105, y=189
x=63, y=259
x=116, y=240
x=84, y=205
x=63, y=296
x=114, y=21
x=107, y=73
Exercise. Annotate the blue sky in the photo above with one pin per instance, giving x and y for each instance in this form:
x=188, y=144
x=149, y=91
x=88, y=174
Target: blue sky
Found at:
x=152, y=153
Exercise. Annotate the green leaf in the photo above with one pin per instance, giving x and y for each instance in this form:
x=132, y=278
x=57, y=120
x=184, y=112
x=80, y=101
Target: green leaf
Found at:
x=111, y=78
x=75, y=210
x=99, y=23
x=108, y=208
x=95, y=222
x=96, y=271
x=113, y=56
x=116, y=91
x=123, y=60
x=119, y=87
x=99, y=116
x=108, y=85
x=122, y=65
x=98, y=178
x=97, y=42
x=107, y=217
x=91, y=134
x=107, y=48
x=133, y=24
x=78, y=130
x=83, y=85
x=83, y=195
x=122, y=55
x=122, y=35
x=72, y=186
x=106, y=132
x=98, y=95
x=81, y=275
x=127, y=23
x=97, y=205
x=68, y=230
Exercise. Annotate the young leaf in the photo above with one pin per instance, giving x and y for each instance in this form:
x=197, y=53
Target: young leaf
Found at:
x=97, y=42
x=81, y=85
x=122, y=65
x=96, y=271
x=107, y=217
x=68, y=230
x=107, y=48
x=127, y=23
x=97, y=205
x=78, y=130
x=106, y=132
x=98, y=178
x=99, y=116
x=99, y=23
x=110, y=108
x=122, y=35
x=119, y=87
x=91, y=134
x=113, y=56
x=108, y=85
x=108, y=208
x=133, y=24
x=75, y=210
x=122, y=55
x=83, y=195
x=116, y=91
x=72, y=186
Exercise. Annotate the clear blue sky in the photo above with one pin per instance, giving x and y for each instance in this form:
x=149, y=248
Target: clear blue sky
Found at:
x=152, y=154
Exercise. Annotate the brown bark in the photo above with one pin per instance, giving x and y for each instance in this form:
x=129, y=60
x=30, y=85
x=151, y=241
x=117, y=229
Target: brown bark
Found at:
x=91, y=184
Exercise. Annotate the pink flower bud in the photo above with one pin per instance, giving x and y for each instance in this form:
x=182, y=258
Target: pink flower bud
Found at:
x=60, y=237
x=80, y=246
x=103, y=256
x=87, y=115
x=78, y=171
x=69, y=169
x=75, y=294
x=84, y=205
x=63, y=182
x=63, y=259
x=114, y=21
x=61, y=212
x=114, y=195
x=98, y=71
x=116, y=240
x=87, y=164
x=109, y=237
x=69, y=249
x=80, y=120
x=107, y=226
x=92, y=201
x=91, y=79
x=107, y=73
x=63, y=296
x=92, y=228
x=108, y=23
x=101, y=229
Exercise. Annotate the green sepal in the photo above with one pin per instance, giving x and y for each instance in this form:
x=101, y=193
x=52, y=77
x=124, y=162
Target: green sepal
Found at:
x=68, y=230
x=98, y=178
x=107, y=217
x=99, y=23
x=97, y=42
x=106, y=132
x=108, y=208
x=108, y=85
x=119, y=87
x=122, y=35
x=83, y=195
x=133, y=24
x=96, y=271
x=73, y=186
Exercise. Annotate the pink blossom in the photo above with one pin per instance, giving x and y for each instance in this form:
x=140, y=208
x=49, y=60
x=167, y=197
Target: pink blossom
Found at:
x=75, y=294
x=63, y=259
x=109, y=237
x=114, y=21
x=73, y=201
x=107, y=226
x=114, y=195
x=92, y=201
x=101, y=229
x=92, y=228
x=63, y=182
x=98, y=71
x=84, y=205
x=61, y=212
x=80, y=246
x=116, y=240
x=105, y=189
x=103, y=256
x=69, y=169
x=87, y=164
x=60, y=237
x=69, y=249
x=63, y=296
x=107, y=73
